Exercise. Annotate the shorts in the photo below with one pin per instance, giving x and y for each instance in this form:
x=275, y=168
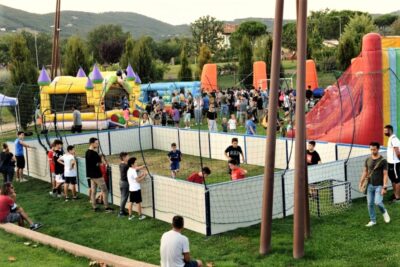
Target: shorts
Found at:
x=135, y=196
x=175, y=165
x=394, y=172
x=20, y=162
x=60, y=178
x=70, y=180
x=187, y=117
x=191, y=264
x=13, y=217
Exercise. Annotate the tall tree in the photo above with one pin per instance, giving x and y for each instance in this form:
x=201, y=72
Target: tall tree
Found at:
x=204, y=58
x=289, y=36
x=207, y=30
x=395, y=28
x=346, y=51
x=143, y=60
x=246, y=62
x=106, y=43
x=357, y=27
x=127, y=56
x=185, y=73
x=262, y=50
x=251, y=29
x=76, y=55
x=384, y=21
x=43, y=44
x=170, y=48
x=23, y=71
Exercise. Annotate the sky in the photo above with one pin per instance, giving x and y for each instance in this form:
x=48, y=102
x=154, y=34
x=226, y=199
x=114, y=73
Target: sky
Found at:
x=186, y=11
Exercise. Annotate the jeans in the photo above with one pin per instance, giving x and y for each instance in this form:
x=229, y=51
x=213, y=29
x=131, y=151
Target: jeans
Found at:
x=124, y=187
x=374, y=197
x=224, y=110
x=212, y=126
x=197, y=115
x=8, y=173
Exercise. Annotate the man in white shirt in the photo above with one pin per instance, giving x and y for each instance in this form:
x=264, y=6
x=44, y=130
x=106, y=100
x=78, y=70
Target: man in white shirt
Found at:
x=393, y=155
x=174, y=249
x=69, y=162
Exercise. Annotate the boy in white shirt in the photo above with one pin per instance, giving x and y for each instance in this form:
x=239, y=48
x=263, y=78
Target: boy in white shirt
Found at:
x=135, y=194
x=70, y=173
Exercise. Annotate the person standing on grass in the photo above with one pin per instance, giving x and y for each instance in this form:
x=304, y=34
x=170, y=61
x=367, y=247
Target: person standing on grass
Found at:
x=224, y=125
x=212, y=119
x=175, y=157
x=174, y=247
x=251, y=128
x=199, y=177
x=77, y=120
x=123, y=183
x=58, y=168
x=198, y=109
x=232, y=124
x=19, y=155
x=393, y=159
x=70, y=173
x=93, y=172
x=7, y=164
x=376, y=172
x=235, y=152
x=52, y=166
x=176, y=116
x=313, y=157
x=9, y=210
x=237, y=173
x=135, y=193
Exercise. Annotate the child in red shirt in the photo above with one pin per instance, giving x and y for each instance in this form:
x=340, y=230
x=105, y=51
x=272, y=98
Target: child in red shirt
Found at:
x=198, y=177
x=237, y=173
x=52, y=166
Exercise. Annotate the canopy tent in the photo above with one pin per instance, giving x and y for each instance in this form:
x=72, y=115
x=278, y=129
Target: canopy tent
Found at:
x=6, y=101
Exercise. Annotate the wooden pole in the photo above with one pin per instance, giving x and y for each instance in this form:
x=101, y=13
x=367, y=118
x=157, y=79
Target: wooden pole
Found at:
x=55, y=55
x=300, y=146
x=268, y=192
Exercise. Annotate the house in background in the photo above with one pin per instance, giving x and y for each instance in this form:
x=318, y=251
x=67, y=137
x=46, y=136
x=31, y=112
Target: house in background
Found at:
x=226, y=34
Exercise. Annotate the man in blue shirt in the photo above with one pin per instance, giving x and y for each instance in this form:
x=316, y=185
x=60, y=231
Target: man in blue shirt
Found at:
x=175, y=156
x=19, y=154
x=250, y=125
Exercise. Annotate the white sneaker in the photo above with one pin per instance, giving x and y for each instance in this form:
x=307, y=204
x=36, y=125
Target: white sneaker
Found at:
x=142, y=217
x=131, y=217
x=370, y=224
x=386, y=217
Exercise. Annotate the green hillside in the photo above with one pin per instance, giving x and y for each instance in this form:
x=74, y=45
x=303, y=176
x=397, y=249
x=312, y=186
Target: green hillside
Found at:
x=80, y=23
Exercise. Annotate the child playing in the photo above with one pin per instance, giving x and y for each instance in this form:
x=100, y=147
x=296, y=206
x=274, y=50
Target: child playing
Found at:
x=135, y=195
x=237, y=173
x=175, y=156
x=58, y=168
x=187, y=117
x=104, y=174
x=232, y=124
x=176, y=116
x=50, y=156
x=224, y=125
x=164, y=116
x=70, y=173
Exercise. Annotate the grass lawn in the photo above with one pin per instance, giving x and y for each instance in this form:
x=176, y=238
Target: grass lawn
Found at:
x=157, y=162
x=24, y=255
x=337, y=240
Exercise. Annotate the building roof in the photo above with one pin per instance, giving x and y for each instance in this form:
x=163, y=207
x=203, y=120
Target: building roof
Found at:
x=230, y=28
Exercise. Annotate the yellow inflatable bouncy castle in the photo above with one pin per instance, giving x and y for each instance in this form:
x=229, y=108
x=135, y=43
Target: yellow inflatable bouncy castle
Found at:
x=101, y=97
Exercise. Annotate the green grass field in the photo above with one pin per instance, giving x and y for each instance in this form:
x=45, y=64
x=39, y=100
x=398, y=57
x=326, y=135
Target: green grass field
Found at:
x=14, y=252
x=337, y=240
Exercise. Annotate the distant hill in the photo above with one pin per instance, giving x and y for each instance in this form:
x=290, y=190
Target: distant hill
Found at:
x=80, y=23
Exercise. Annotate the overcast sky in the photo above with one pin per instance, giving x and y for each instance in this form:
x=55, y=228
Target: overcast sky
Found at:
x=186, y=11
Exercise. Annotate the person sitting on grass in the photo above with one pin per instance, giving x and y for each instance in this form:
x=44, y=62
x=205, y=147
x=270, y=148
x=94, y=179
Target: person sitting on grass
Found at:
x=70, y=173
x=174, y=248
x=9, y=210
x=237, y=173
x=175, y=156
x=199, y=177
x=135, y=193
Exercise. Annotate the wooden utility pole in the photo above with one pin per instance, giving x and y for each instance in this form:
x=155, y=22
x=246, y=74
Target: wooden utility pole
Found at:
x=55, y=56
x=300, y=146
x=269, y=168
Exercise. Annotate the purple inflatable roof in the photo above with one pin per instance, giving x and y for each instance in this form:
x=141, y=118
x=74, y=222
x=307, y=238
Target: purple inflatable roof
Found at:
x=44, y=78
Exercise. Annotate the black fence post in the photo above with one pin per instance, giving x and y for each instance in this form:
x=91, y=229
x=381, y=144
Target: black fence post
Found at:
x=152, y=196
x=208, y=212
x=209, y=144
x=179, y=138
x=27, y=161
x=336, y=152
x=152, y=137
x=109, y=143
x=110, y=183
x=283, y=195
x=287, y=151
x=345, y=171
x=77, y=176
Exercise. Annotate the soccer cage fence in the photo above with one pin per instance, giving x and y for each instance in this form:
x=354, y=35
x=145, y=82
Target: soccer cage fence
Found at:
x=218, y=204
